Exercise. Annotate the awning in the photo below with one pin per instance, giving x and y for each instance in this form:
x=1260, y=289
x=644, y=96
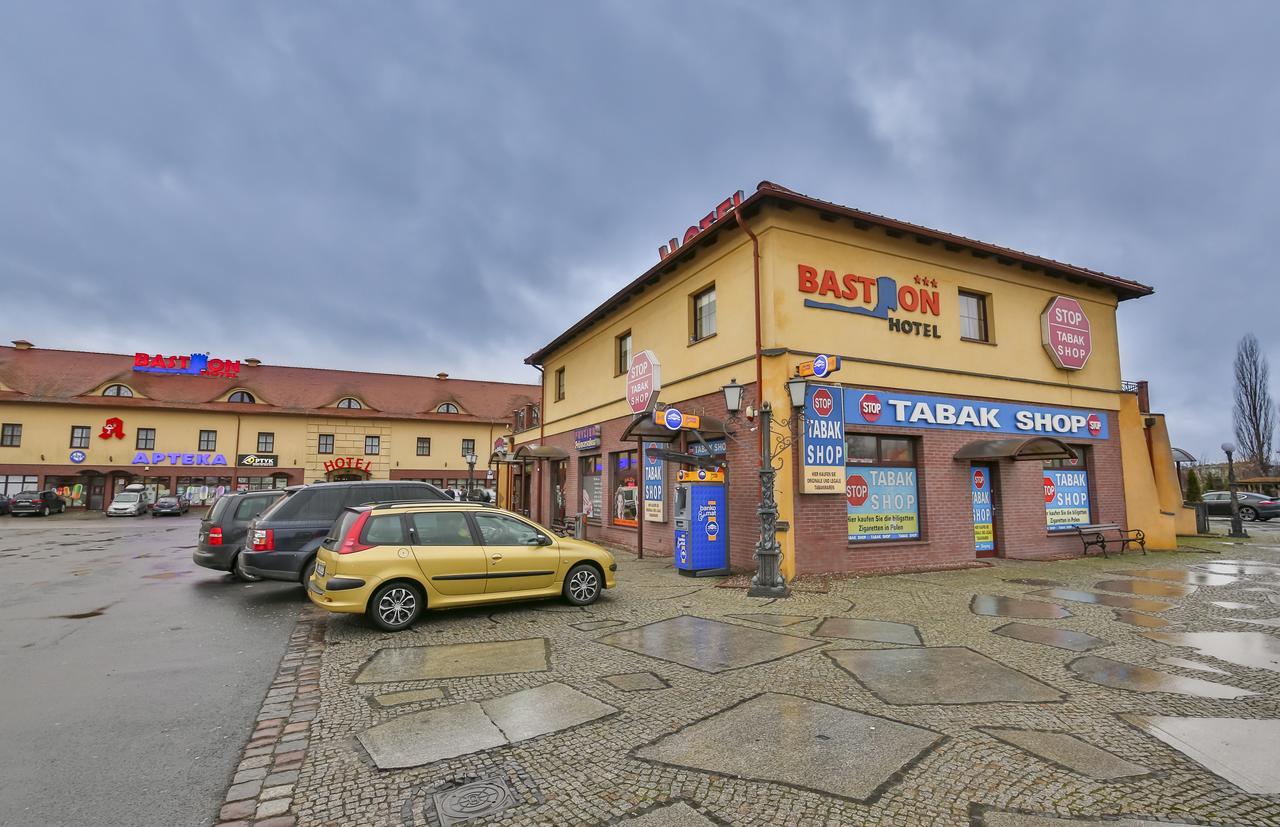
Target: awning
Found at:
x=1180, y=455
x=1026, y=448
x=643, y=427
x=539, y=452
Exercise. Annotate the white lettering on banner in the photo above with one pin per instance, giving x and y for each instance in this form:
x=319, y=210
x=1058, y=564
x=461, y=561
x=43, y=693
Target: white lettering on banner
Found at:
x=944, y=414
x=825, y=428
x=1055, y=423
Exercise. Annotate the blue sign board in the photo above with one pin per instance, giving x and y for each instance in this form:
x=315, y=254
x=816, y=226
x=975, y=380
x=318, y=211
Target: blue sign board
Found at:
x=713, y=448
x=822, y=457
x=910, y=410
x=703, y=546
x=655, y=488
x=586, y=438
x=78, y=457
x=161, y=457
x=984, y=535
x=1066, y=498
x=672, y=418
x=882, y=503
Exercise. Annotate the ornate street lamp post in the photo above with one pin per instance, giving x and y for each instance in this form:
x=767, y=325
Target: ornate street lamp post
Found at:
x=1237, y=530
x=471, y=460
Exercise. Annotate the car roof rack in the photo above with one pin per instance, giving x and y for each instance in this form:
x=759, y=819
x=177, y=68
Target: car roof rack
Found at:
x=418, y=501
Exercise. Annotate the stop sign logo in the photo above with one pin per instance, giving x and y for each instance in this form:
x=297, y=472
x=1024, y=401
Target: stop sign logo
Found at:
x=856, y=489
x=1095, y=424
x=823, y=404
x=870, y=407
x=1050, y=489
x=1066, y=333
x=643, y=380
x=979, y=479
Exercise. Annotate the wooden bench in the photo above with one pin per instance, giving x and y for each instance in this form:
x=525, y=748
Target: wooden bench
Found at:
x=1098, y=534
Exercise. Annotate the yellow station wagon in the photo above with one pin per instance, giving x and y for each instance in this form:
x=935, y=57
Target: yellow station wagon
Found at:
x=393, y=560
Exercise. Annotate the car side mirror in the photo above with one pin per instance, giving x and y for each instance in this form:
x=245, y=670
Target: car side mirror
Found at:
x=541, y=540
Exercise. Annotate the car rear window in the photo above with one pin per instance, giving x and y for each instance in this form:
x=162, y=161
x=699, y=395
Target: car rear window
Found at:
x=339, y=529
x=309, y=505
x=218, y=508
x=385, y=530
x=251, y=507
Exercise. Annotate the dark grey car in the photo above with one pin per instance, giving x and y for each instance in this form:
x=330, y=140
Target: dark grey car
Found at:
x=43, y=503
x=1252, y=506
x=224, y=525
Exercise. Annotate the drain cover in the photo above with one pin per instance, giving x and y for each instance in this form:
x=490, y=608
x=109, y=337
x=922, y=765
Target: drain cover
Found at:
x=475, y=800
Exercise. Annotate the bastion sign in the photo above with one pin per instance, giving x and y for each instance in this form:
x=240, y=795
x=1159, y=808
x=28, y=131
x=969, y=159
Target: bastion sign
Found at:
x=196, y=364
x=1066, y=333
x=879, y=297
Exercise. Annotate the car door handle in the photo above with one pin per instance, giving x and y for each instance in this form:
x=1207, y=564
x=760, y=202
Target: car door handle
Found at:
x=495, y=557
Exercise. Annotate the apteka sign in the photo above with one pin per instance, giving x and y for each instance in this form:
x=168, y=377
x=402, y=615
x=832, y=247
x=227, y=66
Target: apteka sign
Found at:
x=877, y=297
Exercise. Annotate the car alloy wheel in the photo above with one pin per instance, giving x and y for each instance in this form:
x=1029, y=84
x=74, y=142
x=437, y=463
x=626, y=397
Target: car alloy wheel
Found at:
x=1248, y=514
x=582, y=586
x=44, y=512
x=396, y=606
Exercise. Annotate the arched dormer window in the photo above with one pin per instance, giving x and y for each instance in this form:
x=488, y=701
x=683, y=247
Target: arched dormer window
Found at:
x=242, y=396
x=349, y=402
x=446, y=407
x=117, y=390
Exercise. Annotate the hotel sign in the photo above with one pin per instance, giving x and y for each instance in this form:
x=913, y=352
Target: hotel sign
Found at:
x=722, y=209
x=910, y=308
x=197, y=364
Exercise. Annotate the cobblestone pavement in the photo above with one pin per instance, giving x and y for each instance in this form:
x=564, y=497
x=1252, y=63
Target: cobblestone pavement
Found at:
x=985, y=728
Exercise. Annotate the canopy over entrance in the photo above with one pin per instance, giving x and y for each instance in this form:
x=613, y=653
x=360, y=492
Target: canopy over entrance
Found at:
x=525, y=452
x=1180, y=456
x=1024, y=448
x=643, y=427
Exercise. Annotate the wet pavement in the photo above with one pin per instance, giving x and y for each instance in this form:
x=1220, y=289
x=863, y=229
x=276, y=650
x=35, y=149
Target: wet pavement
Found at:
x=891, y=700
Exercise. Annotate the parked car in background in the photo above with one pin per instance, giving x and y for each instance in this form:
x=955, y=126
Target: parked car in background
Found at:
x=170, y=506
x=224, y=526
x=1252, y=506
x=128, y=503
x=283, y=540
x=460, y=554
x=4, y=505
x=43, y=503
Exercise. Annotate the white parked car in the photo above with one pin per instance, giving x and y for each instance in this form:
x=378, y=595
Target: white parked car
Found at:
x=128, y=504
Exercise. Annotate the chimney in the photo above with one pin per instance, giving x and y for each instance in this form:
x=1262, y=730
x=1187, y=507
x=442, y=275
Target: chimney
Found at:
x=253, y=363
x=22, y=344
x=442, y=376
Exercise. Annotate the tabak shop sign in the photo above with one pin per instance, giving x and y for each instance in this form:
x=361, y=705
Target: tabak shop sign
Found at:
x=195, y=364
x=912, y=307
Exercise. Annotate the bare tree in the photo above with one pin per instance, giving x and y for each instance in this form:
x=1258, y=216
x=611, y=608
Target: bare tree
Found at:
x=1254, y=415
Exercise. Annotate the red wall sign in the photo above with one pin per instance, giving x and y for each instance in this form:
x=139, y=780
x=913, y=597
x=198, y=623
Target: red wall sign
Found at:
x=1066, y=333
x=644, y=378
x=721, y=210
x=353, y=463
x=113, y=427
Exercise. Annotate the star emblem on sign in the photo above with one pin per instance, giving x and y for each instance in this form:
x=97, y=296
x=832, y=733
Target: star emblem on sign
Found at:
x=916, y=279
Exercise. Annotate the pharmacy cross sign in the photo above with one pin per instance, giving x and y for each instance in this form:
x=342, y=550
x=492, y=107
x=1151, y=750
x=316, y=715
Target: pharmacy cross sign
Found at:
x=1066, y=334
x=644, y=379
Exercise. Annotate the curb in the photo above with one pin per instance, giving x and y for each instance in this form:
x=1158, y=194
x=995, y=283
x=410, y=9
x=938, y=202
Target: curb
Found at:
x=261, y=790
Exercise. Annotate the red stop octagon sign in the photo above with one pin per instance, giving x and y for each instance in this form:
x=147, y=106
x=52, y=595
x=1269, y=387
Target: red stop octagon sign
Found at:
x=1066, y=333
x=644, y=378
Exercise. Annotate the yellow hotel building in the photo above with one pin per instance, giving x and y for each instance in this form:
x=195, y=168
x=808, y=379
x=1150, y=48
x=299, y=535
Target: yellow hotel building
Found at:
x=978, y=408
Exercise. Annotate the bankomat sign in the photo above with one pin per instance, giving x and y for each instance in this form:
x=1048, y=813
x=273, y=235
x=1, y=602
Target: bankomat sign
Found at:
x=905, y=410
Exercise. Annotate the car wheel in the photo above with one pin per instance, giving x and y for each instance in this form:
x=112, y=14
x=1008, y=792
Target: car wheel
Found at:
x=582, y=586
x=237, y=570
x=1248, y=514
x=395, y=606
x=307, y=570
x=44, y=512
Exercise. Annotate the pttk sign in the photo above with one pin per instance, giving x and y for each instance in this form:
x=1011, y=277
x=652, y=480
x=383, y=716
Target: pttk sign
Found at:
x=644, y=379
x=1066, y=333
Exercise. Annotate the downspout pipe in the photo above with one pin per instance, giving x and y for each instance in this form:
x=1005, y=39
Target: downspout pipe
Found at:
x=755, y=261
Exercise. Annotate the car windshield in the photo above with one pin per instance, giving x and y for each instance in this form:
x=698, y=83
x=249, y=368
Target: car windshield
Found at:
x=166, y=501
x=127, y=497
x=28, y=495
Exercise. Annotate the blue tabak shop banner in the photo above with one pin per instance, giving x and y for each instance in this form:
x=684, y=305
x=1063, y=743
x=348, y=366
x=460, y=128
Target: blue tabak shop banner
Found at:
x=984, y=530
x=822, y=464
x=908, y=410
x=1066, y=498
x=654, y=485
x=883, y=503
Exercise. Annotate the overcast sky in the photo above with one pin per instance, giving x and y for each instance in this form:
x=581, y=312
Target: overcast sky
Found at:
x=445, y=186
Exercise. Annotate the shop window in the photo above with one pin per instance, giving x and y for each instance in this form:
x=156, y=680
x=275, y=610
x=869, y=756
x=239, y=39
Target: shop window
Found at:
x=882, y=492
x=973, y=317
x=372, y=444
x=1066, y=491
x=349, y=402
x=424, y=446
x=260, y=483
x=325, y=444
x=71, y=489
x=117, y=390
x=559, y=384
x=468, y=447
x=208, y=440
x=13, y=484
x=626, y=491
x=703, y=306
x=623, y=349
x=591, y=476
x=146, y=439
x=10, y=436
x=447, y=408
x=243, y=397
x=203, y=490
x=266, y=442
x=79, y=436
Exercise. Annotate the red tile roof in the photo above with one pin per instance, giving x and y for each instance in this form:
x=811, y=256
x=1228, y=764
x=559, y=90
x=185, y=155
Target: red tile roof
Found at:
x=65, y=376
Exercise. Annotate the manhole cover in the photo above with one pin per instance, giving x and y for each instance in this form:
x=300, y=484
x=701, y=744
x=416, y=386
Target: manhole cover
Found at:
x=475, y=800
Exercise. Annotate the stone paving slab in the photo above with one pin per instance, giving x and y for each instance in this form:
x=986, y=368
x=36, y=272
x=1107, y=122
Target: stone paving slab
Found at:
x=1194, y=578
x=543, y=709
x=1049, y=636
x=458, y=660
x=1233, y=748
x=1147, y=588
x=996, y=606
x=1006, y=819
x=1137, y=619
x=1256, y=650
x=707, y=645
x=943, y=675
x=1183, y=663
x=1117, y=675
x=1113, y=600
x=874, y=631
x=423, y=737
x=1070, y=752
x=676, y=814
x=766, y=619
x=825, y=748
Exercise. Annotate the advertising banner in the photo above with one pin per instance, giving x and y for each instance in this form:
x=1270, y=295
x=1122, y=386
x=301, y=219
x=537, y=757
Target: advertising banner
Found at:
x=882, y=503
x=822, y=452
x=984, y=529
x=1066, y=498
x=592, y=497
x=655, y=485
x=909, y=410
x=584, y=439
x=258, y=460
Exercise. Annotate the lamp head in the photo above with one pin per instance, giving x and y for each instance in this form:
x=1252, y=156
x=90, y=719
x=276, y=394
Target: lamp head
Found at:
x=732, y=397
x=1228, y=448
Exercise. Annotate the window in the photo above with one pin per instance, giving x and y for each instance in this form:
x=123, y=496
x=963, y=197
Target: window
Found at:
x=624, y=353
x=79, y=436
x=385, y=530
x=208, y=440
x=146, y=440
x=441, y=528
x=372, y=444
x=10, y=436
x=468, y=447
x=319, y=504
x=242, y=396
x=16, y=483
x=881, y=488
x=519, y=421
x=251, y=507
x=973, y=317
x=349, y=402
x=704, y=315
x=117, y=390
x=535, y=414
x=501, y=530
x=1066, y=491
x=559, y=384
x=266, y=442
x=202, y=490
x=591, y=476
x=626, y=493
x=424, y=446
x=446, y=407
x=325, y=444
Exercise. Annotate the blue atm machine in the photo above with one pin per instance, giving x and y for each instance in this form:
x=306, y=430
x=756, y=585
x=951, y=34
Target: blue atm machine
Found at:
x=702, y=533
